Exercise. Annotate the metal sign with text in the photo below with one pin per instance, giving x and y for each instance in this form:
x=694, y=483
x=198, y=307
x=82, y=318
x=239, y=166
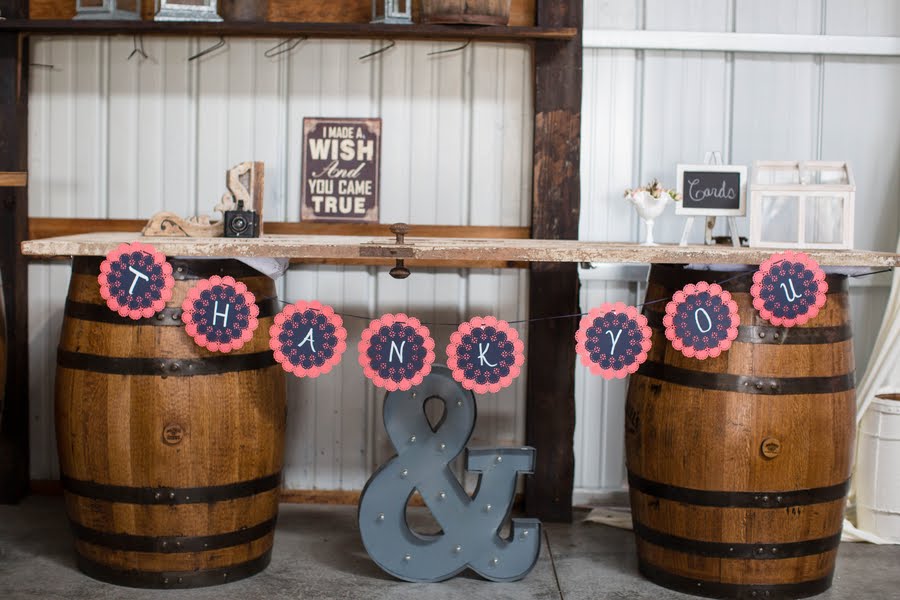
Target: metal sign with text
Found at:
x=341, y=170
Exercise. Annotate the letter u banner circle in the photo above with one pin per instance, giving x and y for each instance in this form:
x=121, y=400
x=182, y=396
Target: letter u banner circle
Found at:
x=470, y=525
x=789, y=289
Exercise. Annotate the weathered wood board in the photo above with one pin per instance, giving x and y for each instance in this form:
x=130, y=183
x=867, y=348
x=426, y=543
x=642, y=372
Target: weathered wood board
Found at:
x=364, y=247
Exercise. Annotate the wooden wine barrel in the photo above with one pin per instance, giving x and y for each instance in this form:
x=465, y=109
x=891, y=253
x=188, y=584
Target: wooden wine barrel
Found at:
x=170, y=455
x=738, y=466
x=471, y=12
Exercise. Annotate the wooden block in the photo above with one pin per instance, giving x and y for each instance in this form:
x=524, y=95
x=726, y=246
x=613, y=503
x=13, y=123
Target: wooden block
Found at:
x=13, y=179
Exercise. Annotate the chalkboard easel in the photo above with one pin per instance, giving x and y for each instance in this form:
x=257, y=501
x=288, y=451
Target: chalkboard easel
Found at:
x=710, y=190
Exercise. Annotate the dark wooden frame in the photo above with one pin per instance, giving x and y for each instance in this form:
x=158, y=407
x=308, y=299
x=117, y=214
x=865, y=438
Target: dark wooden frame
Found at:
x=14, y=457
x=554, y=288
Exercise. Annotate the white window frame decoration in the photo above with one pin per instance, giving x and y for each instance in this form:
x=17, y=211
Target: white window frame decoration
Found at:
x=805, y=192
x=388, y=11
x=108, y=10
x=171, y=10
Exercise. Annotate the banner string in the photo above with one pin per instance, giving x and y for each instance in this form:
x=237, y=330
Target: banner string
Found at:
x=575, y=315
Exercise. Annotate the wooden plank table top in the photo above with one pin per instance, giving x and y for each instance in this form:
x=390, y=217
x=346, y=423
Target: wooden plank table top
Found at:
x=449, y=249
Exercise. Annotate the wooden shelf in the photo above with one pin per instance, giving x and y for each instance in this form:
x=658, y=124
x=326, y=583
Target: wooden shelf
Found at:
x=440, y=249
x=283, y=29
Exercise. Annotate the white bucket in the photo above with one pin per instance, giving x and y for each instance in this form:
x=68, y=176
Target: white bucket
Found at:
x=878, y=468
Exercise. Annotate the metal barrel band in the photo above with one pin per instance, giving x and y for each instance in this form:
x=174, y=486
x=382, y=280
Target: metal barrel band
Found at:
x=738, y=499
x=758, y=551
x=166, y=367
x=171, y=544
x=735, y=591
x=170, y=496
x=182, y=269
x=174, y=579
x=765, y=334
x=675, y=277
x=747, y=384
x=169, y=316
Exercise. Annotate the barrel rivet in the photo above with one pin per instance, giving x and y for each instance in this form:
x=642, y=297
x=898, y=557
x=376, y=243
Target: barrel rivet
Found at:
x=178, y=544
x=180, y=580
x=165, y=581
x=180, y=269
x=171, y=495
x=770, y=448
x=165, y=544
x=407, y=557
x=412, y=439
x=157, y=496
x=762, y=334
x=404, y=473
x=160, y=316
x=765, y=498
x=778, y=499
x=380, y=517
x=759, y=385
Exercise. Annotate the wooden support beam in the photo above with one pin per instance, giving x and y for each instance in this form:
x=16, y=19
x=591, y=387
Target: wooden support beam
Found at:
x=554, y=288
x=14, y=460
x=45, y=227
x=13, y=179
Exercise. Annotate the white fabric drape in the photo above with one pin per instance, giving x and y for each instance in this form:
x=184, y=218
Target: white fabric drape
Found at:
x=881, y=376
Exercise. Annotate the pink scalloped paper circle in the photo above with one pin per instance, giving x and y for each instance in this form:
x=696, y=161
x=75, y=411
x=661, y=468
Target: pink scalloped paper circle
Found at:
x=123, y=302
x=587, y=341
x=809, y=270
x=384, y=375
x=290, y=357
x=690, y=294
x=195, y=314
x=464, y=350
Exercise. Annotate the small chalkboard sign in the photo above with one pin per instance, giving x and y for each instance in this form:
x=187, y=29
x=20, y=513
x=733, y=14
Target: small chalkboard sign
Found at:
x=712, y=190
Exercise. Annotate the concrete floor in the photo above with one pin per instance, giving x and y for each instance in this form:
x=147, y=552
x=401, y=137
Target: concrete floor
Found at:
x=318, y=555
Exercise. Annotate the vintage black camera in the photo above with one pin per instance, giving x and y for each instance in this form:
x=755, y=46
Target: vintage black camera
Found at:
x=241, y=223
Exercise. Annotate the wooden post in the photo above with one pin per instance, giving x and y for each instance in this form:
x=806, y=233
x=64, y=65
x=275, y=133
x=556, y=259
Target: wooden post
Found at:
x=554, y=287
x=13, y=267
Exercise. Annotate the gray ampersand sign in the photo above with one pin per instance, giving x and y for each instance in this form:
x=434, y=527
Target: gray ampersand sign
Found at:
x=470, y=525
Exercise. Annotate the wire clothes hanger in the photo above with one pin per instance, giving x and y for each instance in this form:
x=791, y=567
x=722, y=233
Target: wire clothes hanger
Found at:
x=213, y=48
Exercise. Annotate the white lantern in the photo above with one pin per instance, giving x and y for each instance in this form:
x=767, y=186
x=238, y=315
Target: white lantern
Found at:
x=392, y=11
x=108, y=9
x=802, y=205
x=186, y=10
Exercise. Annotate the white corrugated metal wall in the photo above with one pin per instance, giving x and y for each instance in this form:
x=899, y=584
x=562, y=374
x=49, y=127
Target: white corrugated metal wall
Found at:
x=645, y=111
x=118, y=138
x=123, y=139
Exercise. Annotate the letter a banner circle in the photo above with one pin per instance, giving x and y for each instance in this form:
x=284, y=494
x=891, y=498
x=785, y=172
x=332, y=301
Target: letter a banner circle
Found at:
x=396, y=352
x=485, y=354
x=220, y=314
x=789, y=289
x=308, y=339
x=136, y=280
x=701, y=320
x=613, y=340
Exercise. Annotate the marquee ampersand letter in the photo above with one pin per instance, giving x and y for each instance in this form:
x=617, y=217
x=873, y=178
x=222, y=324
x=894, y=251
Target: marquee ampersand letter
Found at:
x=470, y=525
